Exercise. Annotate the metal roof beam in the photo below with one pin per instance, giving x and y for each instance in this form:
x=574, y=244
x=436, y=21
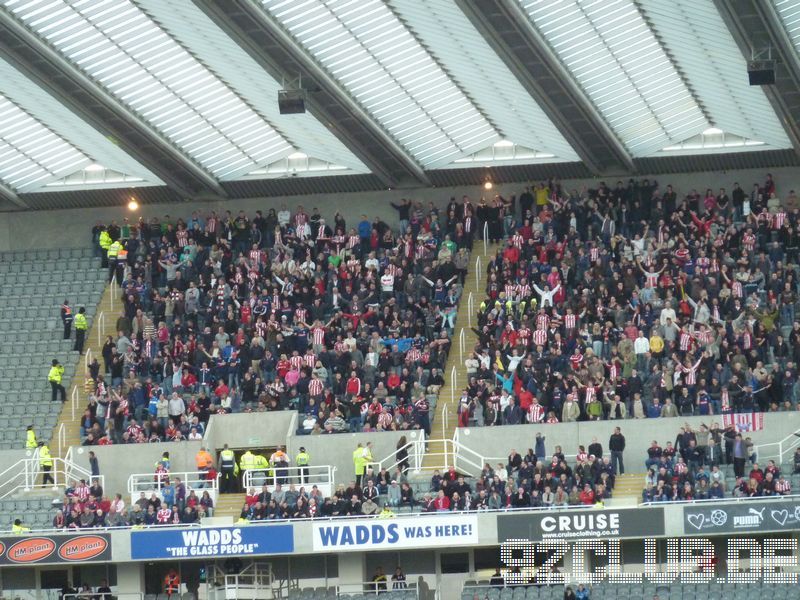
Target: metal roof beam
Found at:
x=510, y=33
x=48, y=69
x=754, y=24
x=8, y=194
x=276, y=52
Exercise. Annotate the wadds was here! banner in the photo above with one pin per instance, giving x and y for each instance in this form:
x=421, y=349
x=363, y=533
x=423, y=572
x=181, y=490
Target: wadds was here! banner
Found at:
x=48, y=549
x=414, y=532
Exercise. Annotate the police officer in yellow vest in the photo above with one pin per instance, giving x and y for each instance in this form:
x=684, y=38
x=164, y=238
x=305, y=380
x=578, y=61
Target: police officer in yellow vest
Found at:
x=227, y=471
x=46, y=463
x=263, y=468
x=247, y=462
x=81, y=325
x=105, y=243
x=30, y=438
x=54, y=377
x=113, y=251
x=302, y=461
x=18, y=528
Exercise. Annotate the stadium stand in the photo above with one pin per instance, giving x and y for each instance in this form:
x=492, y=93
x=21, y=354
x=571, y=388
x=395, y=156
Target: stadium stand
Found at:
x=645, y=315
x=34, y=284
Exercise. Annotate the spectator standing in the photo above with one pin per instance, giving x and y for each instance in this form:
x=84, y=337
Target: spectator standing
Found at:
x=94, y=465
x=616, y=444
x=66, y=318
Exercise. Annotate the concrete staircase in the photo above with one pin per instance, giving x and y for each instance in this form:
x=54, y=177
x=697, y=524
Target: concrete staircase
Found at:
x=627, y=490
x=451, y=391
x=72, y=424
x=229, y=505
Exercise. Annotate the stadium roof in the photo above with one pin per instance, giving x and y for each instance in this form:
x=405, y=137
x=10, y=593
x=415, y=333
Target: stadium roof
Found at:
x=179, y=99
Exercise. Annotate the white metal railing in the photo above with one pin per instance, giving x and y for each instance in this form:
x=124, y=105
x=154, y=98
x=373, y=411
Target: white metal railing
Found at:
x=87, y=358
x=784, y=446
x=478, y=272
x=321, y=476
x=151, y=483
x=453, y=383
x=113, y=595
x=256, y=580
x=24, y=475
x=61, y=436
x=461, y=345
x=101, y=328
x=74, y=400
x=445, y=417
x=485, y=238
x=113, y=291
x=727, y=499
x=470, y=309
x=372, y=588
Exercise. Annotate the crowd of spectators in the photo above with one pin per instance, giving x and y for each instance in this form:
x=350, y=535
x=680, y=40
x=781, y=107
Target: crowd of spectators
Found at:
x=170, y=502
x=634, y=302
x=350, y=326
x=694, y=467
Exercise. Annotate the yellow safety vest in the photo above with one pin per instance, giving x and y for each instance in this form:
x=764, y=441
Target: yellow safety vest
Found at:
x=56, y=373
x=44, y=457
x=105, y=240
x=31, y=442
x=80, y=322
x=302, y=459
x=247, y=461
x=114, y=249
x=19, y=529
x=227, y=459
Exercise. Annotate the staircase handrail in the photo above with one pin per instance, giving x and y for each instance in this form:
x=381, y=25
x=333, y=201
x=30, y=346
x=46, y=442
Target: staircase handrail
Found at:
x=63, y=473
x=485, y=238
x=453, y=383
x=74, y=400
x=101, y=327
x=478, y=274
x=470, y=309
x=61, y=436
x=321, y=476
x=461, y=345
x=791, y=442
x=149, y=482
x=113, y=285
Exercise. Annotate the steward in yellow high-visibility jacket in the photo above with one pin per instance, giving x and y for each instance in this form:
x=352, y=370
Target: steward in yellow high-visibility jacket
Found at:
x=46, y=464
x=30, y=438
x=54, y=377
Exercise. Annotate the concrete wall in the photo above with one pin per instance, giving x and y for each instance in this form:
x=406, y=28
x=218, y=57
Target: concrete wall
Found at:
x=257, y=430
x=71, y=228
x=118, y=463
x=337, y=450
x=495, y=442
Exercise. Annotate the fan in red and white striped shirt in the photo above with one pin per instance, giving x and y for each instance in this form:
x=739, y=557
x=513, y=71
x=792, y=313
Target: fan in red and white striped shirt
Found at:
x=540, y=337
x=315, y=387
x=535, y=412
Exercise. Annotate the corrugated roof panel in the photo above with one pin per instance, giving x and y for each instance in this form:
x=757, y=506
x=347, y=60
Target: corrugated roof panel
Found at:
x=620, y=64
x=698, y=40
x=477, y=68
x=130, y=55
x=378, y=61
x=32, y=155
